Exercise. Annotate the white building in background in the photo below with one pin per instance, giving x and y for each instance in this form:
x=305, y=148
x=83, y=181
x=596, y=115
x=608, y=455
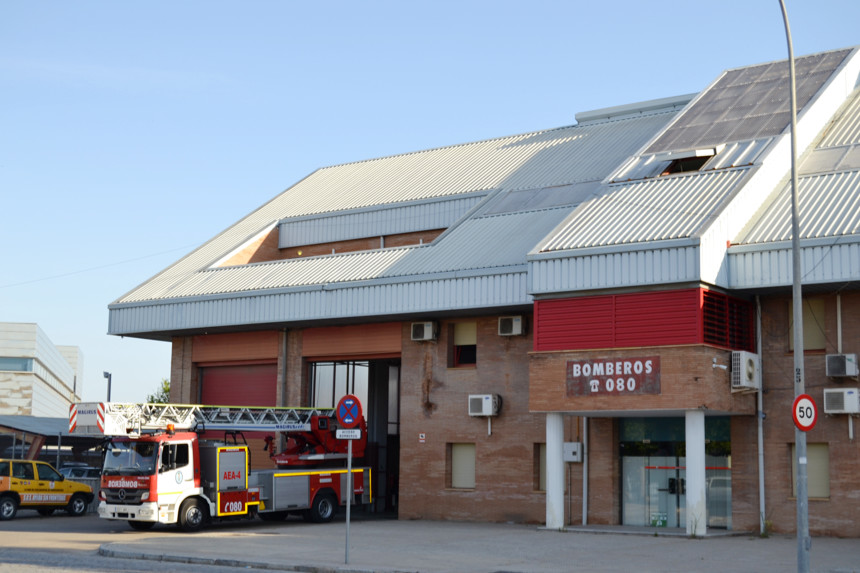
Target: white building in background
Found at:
x=37, y=377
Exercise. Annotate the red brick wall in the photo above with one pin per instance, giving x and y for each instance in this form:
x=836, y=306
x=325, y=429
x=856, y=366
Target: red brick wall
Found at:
x=434, y=401
x=835, y=516
x=688, y=381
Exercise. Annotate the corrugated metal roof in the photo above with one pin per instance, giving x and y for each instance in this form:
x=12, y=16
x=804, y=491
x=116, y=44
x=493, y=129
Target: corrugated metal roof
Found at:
x=473, y=245
x=846, y=127
x=828, y=206
x=669, y=207
x=534, y=160
x=408, y=218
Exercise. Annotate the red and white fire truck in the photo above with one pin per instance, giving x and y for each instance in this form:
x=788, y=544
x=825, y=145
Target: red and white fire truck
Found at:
x=162, y=466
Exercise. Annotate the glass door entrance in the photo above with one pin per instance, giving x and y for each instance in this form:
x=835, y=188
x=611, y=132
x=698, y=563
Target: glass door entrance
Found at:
x=654, y=476
x=654, y=491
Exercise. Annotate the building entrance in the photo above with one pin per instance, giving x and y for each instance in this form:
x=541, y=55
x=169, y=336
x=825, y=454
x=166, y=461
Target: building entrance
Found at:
x=653, y=472
x=376, y=383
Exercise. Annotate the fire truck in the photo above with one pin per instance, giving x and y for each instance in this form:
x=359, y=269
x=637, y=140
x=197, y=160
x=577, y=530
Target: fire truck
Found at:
x=162, y=466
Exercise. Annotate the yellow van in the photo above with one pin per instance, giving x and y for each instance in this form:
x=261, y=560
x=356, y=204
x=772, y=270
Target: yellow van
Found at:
x=37, y=485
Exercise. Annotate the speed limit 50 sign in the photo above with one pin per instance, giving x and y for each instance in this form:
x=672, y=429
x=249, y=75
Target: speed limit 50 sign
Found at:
x=804, y=412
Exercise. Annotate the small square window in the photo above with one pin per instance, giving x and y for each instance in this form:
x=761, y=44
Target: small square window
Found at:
x=463, y=346
x=813, y=325
x=817, y=470
x=461, y=466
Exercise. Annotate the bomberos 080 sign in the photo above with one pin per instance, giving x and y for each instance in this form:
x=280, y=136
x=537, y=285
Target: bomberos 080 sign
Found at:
x=616, y=377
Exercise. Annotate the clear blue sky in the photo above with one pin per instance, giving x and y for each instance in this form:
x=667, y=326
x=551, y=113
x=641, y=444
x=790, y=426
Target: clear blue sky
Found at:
x=132, y=132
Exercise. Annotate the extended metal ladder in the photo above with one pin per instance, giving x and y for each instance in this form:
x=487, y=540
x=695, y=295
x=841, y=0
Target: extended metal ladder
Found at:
x=123, y=419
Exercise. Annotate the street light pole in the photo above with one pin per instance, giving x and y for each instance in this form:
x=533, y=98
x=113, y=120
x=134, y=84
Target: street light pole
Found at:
x=108, y=376
x=804, y=542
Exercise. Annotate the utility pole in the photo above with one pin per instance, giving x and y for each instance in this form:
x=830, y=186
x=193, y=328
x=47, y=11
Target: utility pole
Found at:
x=804, y=542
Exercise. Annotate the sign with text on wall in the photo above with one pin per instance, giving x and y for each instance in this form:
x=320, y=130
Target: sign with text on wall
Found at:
x=613, y=376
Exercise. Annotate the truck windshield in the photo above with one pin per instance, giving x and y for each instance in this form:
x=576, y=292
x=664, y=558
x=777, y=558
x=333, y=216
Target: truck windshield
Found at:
x=130, y=458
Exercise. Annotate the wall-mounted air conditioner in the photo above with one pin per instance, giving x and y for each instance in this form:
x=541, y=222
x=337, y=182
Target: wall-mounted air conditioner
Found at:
x=746, y=371
x=484, y=404
x=841, y=365
x=511, y=326
x=841, y=401
x=423, y=331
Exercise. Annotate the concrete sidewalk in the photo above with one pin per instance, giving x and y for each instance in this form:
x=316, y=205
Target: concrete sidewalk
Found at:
x=435, y=546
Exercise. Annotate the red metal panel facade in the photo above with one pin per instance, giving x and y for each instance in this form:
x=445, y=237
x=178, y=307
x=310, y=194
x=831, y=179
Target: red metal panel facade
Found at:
x=663, y=318
x=252, y=385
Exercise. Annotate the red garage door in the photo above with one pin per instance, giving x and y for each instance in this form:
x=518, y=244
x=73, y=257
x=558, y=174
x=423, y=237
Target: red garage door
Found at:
x=252, y=385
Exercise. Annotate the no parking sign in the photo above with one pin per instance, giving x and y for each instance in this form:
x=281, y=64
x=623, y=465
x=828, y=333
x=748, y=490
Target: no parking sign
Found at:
x=348, y=411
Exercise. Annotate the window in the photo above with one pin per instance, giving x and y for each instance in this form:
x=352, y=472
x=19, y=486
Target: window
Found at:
x=174, y=456
x=48, y=473
x=16, y=364
x=22, y=470
x=817, y=470
x=461, y=466
x=539, y=467
x=331, y=381
x=813, y=324
x=464, y=350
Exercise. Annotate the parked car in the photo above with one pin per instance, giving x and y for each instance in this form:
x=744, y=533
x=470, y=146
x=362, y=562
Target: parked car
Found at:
x=37, y=485
x=81, y=472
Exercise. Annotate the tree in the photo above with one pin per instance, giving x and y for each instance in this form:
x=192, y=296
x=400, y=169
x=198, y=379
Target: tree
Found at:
x=162, y=395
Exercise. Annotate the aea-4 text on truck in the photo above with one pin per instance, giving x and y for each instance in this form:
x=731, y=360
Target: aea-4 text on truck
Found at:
x=161, y=466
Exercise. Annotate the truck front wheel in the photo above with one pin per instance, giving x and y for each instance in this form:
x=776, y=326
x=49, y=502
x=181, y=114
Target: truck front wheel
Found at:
x=323, y=508
x=192, y=515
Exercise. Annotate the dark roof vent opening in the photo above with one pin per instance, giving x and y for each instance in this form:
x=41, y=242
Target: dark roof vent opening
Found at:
x=685, y=165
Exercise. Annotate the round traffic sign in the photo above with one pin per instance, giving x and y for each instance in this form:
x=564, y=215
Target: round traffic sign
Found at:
x=348, y=411
x=804, y=412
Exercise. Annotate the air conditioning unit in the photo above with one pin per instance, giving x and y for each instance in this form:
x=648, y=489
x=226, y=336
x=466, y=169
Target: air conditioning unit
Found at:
x=841, y=401
x=746, y=371
x=484, y=404
x=841, y=365
x=423, y=331
x=510, y=325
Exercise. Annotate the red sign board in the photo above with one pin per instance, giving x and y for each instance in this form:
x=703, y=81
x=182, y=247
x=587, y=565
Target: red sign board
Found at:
x=232, y=502
x=348, y=411
x=613, y=376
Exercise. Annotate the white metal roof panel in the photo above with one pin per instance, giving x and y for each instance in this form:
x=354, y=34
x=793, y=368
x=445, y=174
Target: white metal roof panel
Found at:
x=483, y=243
x=829, y=206
x=534, y=160
x=669, y=207
x=846, y=127
x=362, y=223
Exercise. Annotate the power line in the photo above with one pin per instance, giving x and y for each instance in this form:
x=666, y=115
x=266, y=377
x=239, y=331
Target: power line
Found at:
x=80, y=271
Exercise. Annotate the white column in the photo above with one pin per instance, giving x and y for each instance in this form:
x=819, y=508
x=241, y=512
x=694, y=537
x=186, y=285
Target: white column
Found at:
x=697, y=515
x=554, y=471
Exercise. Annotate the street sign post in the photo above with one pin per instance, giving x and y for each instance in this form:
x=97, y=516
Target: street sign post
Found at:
x=348, y=414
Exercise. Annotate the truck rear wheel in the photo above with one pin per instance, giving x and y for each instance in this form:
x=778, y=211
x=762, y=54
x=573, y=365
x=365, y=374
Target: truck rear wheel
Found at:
x=8, y=507
x=323, y=508
x=192, y=515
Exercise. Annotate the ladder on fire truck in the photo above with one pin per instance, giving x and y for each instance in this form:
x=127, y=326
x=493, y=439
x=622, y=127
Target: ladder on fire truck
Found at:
x=129, y=419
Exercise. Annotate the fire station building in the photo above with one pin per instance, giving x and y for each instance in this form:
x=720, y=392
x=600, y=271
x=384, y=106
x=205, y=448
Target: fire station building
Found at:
x=585, y=325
